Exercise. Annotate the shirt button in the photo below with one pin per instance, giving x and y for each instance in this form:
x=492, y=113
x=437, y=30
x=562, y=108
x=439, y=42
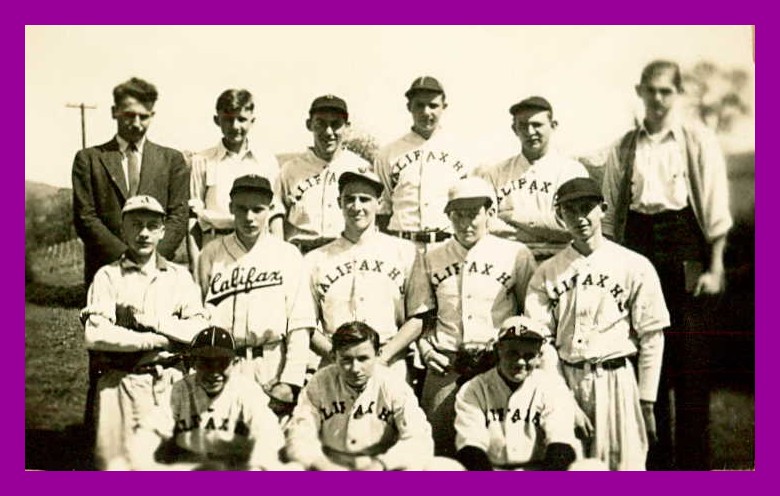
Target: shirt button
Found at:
x=469, y=317
x=352, y=441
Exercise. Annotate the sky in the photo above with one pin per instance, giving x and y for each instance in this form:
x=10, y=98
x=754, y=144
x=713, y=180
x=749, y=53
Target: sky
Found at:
x=587, y=72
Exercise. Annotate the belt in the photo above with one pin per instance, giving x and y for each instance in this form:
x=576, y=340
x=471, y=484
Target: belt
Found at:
x=249, y=351
x=307, y=245
x=422, y=236
x=611, y=364
x=218, y=232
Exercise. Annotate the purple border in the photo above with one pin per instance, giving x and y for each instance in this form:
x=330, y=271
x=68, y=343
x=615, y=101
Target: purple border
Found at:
x=357, y=12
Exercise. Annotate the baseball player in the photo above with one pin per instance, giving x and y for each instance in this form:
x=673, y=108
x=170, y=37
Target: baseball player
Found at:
x=666, y=186
x=364, y=275
x=308, y=182
x=357, y=415
x=516, y=415
x=473, y=282
x=215, y=169
x=138, y=309
x=525, y=184
x=255, y=286
x=211, y=417
x=603, y=303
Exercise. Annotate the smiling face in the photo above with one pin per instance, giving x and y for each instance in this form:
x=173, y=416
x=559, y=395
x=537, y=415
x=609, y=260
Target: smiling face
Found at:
x=235, y=125
x=426, y=108
x=251, y=210
x=359, y=203
x=357, y=363
x=132, y=118
x=329, y=129
x=517, y=358
x=582, y=217
x=211, y=373
x=534, y=128
x=469, y=222
x=142, y=232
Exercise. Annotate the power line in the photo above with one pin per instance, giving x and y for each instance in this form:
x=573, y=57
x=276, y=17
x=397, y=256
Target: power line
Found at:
x=82, y=106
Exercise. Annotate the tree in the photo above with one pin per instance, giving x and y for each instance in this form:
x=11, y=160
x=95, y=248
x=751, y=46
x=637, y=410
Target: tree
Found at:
x=717, y=96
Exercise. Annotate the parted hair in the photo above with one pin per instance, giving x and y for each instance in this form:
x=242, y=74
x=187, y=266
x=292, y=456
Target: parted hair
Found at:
x=658, y=66
x=235, y=99
x=354, y=333
x=143, y=91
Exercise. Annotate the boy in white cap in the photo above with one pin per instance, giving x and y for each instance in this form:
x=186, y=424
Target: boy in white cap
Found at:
x=472, y=282
x=211, y=418
x=516, y=415
x=255, y=286
x=138, y=309
x=603, y=303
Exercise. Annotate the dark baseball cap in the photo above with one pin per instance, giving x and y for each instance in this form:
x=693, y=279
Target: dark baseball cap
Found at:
x=361, y=174
x=252, y=182
x=424, y=83
x=579, y=187
x=533, y=102
x=329, y=102
x=213, y=342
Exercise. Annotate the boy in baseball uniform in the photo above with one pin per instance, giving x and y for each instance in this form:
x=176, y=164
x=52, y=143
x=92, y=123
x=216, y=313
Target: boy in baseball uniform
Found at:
x=364, y=275
x=357, y=415
x=472, y=282
x=140, y=310
x=526, y=183
x=211, y=418
x=603, y=303
x=255, y=286
x=308, y=182
x=516, y=415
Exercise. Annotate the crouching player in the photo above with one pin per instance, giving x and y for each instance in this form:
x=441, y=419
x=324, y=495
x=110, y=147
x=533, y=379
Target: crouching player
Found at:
x=357, y=415
x=516, y=415
x=212, y=420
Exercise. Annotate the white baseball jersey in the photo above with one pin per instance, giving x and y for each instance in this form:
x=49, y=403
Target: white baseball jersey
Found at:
x=309, y=191
x=525, y=194
x=260, y=296
x=383, y=420
x=514, y=427
x=417, y=174
x=235, y=424
x=365, y=281
x=599, y=306
x=212, y=176
x=473, y=290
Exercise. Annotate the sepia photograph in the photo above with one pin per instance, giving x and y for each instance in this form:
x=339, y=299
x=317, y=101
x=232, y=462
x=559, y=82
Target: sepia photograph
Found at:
x=389, y=248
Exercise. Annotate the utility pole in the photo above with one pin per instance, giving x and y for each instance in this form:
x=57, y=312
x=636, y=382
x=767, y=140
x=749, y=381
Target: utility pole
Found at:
x=82, y=106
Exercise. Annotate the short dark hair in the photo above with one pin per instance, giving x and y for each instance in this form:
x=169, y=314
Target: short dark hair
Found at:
x=141, y=90
x=235, y=99
x=354, y=333
x=658, y=66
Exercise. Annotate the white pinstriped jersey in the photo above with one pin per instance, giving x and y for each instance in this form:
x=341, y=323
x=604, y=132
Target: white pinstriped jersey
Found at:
x=365, y=281
x=416, y=174
x=514, y=427
x=383, y=420
x=309, y=191
x=473, y=290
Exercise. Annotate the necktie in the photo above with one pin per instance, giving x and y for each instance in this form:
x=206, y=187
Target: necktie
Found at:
x=133, y=170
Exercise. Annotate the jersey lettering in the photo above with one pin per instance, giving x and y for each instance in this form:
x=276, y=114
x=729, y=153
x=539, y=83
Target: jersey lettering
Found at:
x=241, y=280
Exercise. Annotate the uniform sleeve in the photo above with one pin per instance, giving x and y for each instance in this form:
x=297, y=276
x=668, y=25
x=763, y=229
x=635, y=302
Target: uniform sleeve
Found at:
x=190, y=317
x=301, y=318
x=610, y=187
x=303, y=431
x=651, y=352
x=414, y=448
x=558, y=416
x=525, y=266
x=538, y=306
x=204, y=267
x=265, y=432
x=101, y=330
x=177, y=210
x=420, y=297
x=382, y=169
x=715, y=188
x=470, y=427
x=153, y=428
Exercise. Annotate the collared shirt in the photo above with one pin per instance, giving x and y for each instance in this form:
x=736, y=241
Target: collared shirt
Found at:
x=525, y=194
x=309, y=190
x=473, y=290
x=212, y=176
x=659, y=182
x=139, y=153
x=602, y=306
x=164, y=292
x=514, y=427
x=237, y=423
x=417, y=174
x=384, y=420
x=365, y=281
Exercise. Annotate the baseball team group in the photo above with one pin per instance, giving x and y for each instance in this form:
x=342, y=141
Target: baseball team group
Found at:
x=408, y=312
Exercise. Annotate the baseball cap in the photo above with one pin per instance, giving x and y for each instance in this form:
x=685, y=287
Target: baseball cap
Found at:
x=143, y=202
x=424, y=83
x=361, y=174
x=579, y=187
x=533, y=102
x=213, y=342
x=469, y=192
x=329, y=102
x=251, y=182
x=522, y=328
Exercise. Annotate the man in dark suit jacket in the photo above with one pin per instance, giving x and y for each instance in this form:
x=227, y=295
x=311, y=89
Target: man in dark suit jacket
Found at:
x=106, y=175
